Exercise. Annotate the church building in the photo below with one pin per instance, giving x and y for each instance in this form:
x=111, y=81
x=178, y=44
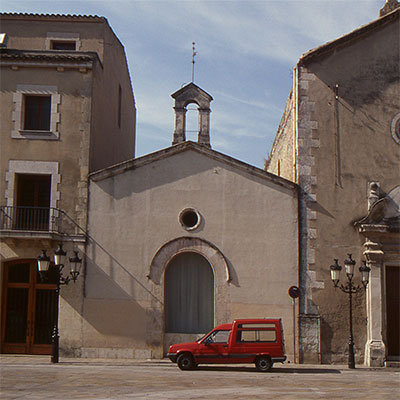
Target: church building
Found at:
x=339, y=140
x=182, y=240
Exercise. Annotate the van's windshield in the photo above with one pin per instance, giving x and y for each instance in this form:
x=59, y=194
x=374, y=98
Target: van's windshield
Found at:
x=220, y=336
x=203, y=337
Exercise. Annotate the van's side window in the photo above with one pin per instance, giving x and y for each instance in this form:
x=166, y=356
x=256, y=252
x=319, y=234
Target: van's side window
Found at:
x=251, y=333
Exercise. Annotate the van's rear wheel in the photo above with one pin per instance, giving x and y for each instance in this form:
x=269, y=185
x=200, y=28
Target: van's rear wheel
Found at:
x=185, y=362
x=264, y=364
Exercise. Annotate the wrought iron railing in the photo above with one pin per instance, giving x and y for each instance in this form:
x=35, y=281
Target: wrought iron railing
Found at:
x=37, y=219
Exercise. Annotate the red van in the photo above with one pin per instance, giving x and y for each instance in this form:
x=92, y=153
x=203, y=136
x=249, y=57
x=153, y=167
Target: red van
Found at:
x=258, y=341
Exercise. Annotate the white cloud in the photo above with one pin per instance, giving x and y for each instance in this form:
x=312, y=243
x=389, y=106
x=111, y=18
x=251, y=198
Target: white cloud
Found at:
x=268, y=29
x=270, y=108
x=246, y=51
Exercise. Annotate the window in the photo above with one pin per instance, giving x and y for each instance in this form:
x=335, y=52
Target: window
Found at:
x=395, y=128
x=119, y=106
x=190, y=219
x=37, y=113
x=262, y=335
x=257, y=326
x=18, y=168
x=67, y=41
x=63, y=45
x=219, y=337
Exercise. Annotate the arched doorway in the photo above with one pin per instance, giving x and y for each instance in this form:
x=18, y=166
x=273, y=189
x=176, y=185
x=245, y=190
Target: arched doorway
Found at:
x=189, y=294
x=28, y=309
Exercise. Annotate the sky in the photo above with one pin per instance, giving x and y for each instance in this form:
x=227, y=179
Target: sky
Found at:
x=246, y=52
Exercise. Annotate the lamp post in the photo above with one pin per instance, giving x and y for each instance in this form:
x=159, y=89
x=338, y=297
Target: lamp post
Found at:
x=59, y=261
x=350, y=288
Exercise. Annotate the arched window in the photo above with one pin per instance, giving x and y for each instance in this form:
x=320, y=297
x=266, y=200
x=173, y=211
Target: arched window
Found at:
x=189, y=294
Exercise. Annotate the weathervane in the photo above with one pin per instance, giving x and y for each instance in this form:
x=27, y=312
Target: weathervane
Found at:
x=193, y=62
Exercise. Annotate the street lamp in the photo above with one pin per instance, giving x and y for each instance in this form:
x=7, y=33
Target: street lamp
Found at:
x=350, y=288
x=59, y=260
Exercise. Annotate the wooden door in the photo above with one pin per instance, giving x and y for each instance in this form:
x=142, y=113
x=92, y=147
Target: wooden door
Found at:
x=28, y=309
x=393, y=310
x=33, y=201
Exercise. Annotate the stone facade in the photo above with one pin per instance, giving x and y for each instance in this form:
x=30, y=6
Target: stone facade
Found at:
x=345, y=97
x=136, y=230
x=79, y=65
x=283, y=145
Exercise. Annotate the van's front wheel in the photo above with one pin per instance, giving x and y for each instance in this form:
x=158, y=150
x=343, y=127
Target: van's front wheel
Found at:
x=263, y=364
x=185, y=362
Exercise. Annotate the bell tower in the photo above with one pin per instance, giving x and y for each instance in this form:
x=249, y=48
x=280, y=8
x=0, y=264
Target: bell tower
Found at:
x=189, y=94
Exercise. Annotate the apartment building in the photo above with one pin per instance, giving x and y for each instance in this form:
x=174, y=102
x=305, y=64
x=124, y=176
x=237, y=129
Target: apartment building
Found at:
x=66, y=108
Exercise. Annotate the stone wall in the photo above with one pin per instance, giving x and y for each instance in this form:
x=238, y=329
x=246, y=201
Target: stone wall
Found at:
x=344, y=143
x=281, y=159
x=345, y=107
x=135, y=230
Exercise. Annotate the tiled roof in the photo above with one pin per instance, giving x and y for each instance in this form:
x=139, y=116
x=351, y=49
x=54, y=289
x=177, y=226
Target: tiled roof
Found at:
x=58, y=17
x=343, y=40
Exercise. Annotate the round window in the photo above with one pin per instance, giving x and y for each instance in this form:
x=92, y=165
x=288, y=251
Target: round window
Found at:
x=189, y=219
x=395, y=128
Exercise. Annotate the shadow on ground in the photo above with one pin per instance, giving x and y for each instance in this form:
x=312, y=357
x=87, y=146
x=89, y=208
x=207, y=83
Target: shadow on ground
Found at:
x=232, y=368
x=272, y=371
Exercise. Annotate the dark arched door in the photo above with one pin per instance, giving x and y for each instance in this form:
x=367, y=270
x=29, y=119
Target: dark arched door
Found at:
x=189, y=294
x=28, y=309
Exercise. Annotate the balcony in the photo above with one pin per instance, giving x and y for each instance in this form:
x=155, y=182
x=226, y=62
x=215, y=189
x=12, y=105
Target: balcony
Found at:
x=38, y=222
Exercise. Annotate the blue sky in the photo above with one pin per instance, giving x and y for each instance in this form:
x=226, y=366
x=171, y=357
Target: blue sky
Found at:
x=246, y=53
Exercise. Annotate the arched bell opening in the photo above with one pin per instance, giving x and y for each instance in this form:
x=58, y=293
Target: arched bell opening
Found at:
x=192, y=127
x=192, y=94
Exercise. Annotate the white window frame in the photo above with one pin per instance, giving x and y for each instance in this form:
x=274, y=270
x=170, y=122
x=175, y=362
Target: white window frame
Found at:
x=62, y=37
x=32, y=167
x=18, y=131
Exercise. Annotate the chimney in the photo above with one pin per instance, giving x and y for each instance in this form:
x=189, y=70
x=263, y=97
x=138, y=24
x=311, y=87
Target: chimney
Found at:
x=389, y=6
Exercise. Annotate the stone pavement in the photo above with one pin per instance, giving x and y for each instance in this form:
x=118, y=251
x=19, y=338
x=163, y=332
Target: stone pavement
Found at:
x=34, y=378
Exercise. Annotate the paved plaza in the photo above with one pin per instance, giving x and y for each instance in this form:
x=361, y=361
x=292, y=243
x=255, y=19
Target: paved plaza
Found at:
x=34, y=378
